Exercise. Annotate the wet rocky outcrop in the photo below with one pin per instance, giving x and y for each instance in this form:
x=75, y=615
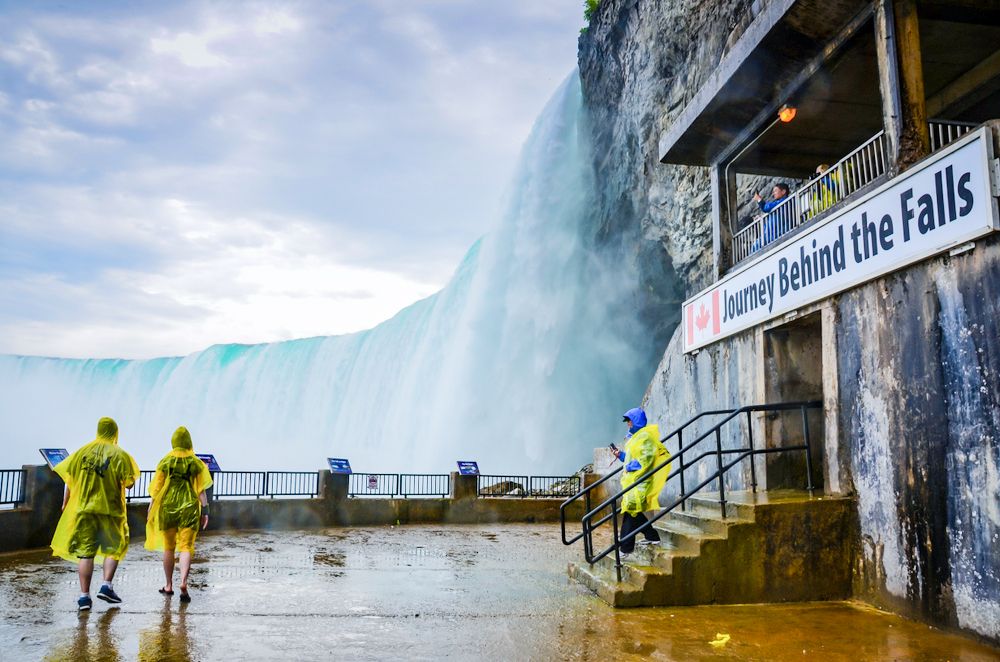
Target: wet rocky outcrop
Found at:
x=915, y=355
x=640, y=62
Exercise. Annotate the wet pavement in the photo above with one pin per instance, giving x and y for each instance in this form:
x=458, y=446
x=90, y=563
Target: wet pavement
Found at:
x=412, y=593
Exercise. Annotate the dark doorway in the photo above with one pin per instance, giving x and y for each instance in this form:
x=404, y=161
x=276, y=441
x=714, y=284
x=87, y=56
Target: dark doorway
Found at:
x=794, y=372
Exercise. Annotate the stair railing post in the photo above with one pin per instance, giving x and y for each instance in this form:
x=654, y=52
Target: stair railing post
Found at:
x=805, y=434
x=588, y=549
x=753, y=455
x=680, y=451
x=722, y=483
x=618, y=556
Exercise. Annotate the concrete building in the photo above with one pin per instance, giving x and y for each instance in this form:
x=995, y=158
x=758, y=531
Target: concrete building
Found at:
x=885, y=302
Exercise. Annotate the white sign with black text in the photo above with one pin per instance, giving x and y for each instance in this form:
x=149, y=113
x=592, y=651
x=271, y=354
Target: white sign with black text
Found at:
x=933, y=207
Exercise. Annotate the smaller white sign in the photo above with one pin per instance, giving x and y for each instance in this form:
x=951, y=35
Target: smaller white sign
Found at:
x=937, y=205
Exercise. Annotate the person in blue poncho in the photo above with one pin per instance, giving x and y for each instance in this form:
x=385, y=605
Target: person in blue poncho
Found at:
x=772, y=226
x=643, y=451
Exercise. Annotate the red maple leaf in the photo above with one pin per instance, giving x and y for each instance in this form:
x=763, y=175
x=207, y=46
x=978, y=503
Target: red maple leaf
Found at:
x=701, y=321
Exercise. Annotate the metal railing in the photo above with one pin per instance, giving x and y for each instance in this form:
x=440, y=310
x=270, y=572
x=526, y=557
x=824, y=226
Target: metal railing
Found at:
x=361, y=484
x=292, y=483
x=863, y=166
x=945, y=131
x=553, y=486
x=592, y=520
x=239, y=484
x=12, y=486
x=140, y=489
x=424, y=485
x=492, y=485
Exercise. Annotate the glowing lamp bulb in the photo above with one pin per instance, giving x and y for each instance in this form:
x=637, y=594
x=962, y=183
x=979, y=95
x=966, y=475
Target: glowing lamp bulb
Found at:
x=786, y=114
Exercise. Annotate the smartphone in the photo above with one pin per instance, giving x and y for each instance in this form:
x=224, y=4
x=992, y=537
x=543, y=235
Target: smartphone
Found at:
x=613, y=447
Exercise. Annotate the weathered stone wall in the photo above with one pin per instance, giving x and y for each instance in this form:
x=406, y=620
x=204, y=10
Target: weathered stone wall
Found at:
x=911, y=360
x=919, y=364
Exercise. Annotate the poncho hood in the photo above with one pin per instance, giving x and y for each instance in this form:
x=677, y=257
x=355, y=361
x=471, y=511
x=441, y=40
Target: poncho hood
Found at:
x=107, y=431
x=181, y=440
x=637, y=416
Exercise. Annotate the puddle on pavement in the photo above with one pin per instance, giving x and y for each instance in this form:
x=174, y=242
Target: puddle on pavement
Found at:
x=418, y=592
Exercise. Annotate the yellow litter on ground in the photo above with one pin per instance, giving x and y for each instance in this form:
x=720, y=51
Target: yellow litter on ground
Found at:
x=720, y=640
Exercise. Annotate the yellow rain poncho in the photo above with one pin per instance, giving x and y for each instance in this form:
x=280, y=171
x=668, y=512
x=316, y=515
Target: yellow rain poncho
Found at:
x=645, y=447
x=93, y=524
x=175, y=514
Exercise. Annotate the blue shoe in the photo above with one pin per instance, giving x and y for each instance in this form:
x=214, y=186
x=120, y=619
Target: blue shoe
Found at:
x=108, y=595
x=84, y=603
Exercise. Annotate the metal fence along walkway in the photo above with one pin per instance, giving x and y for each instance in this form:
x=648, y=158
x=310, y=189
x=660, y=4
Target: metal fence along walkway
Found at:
x=270, y=484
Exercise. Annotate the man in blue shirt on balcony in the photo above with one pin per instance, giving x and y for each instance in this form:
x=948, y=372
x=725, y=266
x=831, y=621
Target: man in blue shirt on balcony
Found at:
x=769, y=230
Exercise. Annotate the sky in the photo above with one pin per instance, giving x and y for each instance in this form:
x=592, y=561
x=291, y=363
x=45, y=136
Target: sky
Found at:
x=176, y=175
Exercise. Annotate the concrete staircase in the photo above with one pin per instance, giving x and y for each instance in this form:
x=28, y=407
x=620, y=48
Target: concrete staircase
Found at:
x=771, y=547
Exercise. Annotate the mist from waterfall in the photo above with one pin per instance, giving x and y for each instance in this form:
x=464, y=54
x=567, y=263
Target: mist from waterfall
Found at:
x=523, y=361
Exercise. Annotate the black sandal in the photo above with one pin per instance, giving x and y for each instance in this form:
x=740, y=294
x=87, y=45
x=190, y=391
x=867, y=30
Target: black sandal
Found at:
x=185, y=597
x=164, y=591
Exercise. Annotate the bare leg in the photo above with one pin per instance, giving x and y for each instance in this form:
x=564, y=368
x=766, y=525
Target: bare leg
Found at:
x=85, y=570
x=185, y=569
x=110, y=567
x=168, y=568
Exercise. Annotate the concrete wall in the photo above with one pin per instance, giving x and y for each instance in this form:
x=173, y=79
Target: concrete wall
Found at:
x=911, y=385
x=32, y=525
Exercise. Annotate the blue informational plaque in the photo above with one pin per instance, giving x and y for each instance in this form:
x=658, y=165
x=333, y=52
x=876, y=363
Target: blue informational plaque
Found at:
x=209, y=461
x=53, y=456
x=339, y=465
x=468, y=468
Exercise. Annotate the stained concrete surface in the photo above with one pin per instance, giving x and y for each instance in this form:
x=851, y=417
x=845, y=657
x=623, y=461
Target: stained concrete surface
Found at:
x=416, y=592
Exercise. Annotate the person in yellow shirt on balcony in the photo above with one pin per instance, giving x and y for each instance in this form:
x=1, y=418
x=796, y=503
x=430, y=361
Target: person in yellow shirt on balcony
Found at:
x=93, y=525
x=178, y=510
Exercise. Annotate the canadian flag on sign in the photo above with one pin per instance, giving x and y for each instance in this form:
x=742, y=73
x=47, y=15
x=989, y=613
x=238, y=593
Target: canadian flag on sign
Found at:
x=703, y=319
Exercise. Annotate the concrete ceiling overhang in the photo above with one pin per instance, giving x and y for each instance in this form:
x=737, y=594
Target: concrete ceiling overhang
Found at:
x=780, y=41
x=838, y=101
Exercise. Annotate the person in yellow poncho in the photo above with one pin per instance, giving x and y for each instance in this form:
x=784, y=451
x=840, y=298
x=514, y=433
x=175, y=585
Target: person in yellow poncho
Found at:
x=93, y=525
x=643, y=451
x=179, y=508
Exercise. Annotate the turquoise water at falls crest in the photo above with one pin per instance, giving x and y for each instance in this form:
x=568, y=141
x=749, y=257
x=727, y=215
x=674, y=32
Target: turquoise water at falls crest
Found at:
x=519, y=362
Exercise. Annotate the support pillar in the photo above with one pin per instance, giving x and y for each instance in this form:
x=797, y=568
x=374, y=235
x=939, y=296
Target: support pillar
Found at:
x=723, y=186
x=901, y=81
x=464, y=487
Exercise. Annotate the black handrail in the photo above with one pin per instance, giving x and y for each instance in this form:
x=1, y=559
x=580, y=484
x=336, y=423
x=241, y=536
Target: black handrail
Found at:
x=585, y=492
x=588, y=524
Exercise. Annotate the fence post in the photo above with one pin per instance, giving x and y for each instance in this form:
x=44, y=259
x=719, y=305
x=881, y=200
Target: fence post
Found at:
x=753, y=457
x=680, y=449
x=722, y=482
x=805, y=435
x=463, y=487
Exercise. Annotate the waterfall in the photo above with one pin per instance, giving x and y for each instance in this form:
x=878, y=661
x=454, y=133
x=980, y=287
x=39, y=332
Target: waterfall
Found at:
x=523, y=361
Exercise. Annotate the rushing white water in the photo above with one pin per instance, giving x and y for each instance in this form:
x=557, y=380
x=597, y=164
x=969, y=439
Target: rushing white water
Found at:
x=515, y=363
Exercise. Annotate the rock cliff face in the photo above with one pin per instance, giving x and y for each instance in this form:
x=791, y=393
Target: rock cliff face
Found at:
x=640, y=62
x=915, y=428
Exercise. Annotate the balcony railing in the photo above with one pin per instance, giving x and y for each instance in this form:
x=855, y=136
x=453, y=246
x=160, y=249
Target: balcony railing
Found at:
x=855, y=171
x=945, y=131
x=858, y=169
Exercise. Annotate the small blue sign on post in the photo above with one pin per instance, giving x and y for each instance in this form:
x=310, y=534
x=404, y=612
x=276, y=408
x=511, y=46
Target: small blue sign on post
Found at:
x=53, y=456
x=339, y=465
x=468, y=468
x=209, y=461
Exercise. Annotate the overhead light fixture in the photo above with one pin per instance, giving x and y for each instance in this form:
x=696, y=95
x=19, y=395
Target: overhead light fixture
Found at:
x=786, y=113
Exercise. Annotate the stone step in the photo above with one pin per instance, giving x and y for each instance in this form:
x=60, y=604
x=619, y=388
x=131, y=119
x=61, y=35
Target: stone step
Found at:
x=683, y=537
x=706, y=558
x=708, y=504
x=616, y=594
x=709, y=523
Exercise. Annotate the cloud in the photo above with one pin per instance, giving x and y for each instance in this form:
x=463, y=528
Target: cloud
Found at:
x=283, y=170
